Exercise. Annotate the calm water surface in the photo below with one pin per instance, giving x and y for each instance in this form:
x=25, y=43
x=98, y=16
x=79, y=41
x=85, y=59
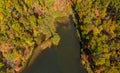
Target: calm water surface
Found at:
x=64, y=58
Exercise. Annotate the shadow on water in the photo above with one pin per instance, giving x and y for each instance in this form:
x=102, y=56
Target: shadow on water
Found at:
x=64, y=58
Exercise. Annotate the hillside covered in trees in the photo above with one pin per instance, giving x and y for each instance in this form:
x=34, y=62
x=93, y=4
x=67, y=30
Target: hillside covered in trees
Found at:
x=98, y=24
x=27, y=24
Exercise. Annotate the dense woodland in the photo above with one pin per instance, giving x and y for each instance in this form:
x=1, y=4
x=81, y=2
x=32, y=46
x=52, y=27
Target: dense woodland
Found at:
x=26, y=24
x=98, y=24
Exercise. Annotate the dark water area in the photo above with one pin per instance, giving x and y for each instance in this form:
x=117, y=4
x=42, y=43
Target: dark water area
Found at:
x=64, y=58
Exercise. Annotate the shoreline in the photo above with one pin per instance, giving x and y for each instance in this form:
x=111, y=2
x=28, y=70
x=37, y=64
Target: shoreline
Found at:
x=34, y=53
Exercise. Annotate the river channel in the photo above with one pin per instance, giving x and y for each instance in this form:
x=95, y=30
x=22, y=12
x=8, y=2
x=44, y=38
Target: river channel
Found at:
x=64, y=58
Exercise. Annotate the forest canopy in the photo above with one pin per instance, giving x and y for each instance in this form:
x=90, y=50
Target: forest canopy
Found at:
x=26, y=24
x=98, y=22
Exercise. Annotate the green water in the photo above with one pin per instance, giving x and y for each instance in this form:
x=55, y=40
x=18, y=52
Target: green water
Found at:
x=64, y=58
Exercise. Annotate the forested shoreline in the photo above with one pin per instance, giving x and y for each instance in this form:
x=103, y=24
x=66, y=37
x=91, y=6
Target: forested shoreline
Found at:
x=26, y=24
x=98, y=24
